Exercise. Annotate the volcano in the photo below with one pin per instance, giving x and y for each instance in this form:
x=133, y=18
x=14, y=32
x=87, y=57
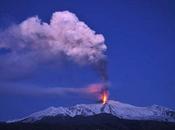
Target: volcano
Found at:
x=114, y=108
x=110, y=115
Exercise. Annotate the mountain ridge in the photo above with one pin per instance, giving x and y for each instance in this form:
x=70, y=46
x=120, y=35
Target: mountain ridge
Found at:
x=115, y=108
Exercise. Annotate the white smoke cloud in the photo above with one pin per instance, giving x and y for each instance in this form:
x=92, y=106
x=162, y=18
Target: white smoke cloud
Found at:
x=64, y=35
x=34, y=42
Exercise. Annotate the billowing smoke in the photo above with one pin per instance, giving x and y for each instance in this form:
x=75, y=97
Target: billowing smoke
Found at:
x=65, y=37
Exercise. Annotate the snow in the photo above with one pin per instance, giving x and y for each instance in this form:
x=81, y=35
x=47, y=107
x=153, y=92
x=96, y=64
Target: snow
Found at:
x=116, y=108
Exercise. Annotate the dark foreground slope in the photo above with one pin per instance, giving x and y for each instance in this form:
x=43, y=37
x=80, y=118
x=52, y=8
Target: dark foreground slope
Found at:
x=96, y=122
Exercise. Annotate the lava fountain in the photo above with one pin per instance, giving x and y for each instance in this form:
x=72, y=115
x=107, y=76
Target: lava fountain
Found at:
x=104, y=97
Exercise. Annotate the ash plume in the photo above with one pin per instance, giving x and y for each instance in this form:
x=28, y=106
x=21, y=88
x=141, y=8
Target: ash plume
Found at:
x=34, y=42
x=89, y=91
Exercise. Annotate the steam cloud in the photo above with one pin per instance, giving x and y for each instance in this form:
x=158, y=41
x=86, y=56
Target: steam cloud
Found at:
x=65, y=37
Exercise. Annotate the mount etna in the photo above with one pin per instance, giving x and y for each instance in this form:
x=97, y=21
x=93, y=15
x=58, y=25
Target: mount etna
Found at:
x=111, y=115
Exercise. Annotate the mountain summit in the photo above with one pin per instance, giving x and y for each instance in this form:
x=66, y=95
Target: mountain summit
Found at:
x=115, y=108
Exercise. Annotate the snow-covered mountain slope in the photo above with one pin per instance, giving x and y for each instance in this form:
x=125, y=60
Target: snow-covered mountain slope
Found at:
x=121, y=110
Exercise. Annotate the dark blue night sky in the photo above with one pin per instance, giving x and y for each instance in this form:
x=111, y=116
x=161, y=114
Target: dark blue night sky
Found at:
x=140, y=36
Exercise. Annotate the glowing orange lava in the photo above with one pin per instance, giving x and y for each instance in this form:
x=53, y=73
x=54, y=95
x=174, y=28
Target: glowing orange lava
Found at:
x=104, y=97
